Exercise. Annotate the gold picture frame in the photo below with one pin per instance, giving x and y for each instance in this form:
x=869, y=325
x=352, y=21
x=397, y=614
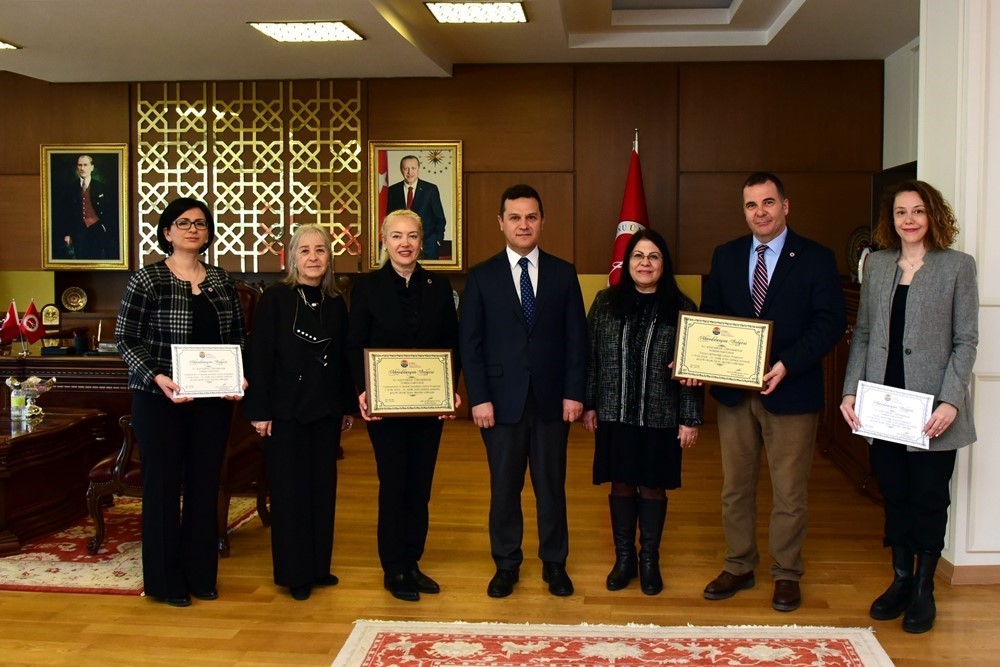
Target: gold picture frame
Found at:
x=85, y=207
x=438, y=191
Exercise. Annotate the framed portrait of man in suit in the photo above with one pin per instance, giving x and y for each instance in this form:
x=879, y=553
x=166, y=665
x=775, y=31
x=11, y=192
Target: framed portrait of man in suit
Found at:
x=85, y=207
x=425, y=177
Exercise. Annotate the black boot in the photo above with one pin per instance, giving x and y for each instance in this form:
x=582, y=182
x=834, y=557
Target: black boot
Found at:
x=652, y=515
x=920, y=616
x=896, y=599
x=623, y=516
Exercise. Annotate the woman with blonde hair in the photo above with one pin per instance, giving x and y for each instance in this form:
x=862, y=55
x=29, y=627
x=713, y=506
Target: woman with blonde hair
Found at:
x=300, y=400
x=402, y=306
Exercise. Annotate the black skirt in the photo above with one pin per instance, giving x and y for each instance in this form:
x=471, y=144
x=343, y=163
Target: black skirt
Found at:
x=637, y=455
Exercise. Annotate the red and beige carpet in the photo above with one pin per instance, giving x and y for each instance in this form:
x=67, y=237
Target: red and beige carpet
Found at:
x=61, y=563
x=416, y=644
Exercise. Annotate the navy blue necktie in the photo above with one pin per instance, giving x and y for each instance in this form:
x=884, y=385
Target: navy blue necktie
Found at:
x=527, y=294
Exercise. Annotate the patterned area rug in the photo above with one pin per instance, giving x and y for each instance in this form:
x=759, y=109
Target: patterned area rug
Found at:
x=412, y=644
x=61, y=563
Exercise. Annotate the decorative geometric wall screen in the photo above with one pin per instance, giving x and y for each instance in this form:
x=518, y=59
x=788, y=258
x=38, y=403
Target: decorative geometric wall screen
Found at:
x=265, y=156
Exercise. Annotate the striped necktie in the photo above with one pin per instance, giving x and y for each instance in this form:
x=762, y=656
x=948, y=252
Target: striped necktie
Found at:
x=759, y=281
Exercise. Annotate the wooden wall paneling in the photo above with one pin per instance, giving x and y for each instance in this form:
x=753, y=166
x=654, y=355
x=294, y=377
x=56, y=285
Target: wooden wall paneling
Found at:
x=482, y=195
x=611, y=102
x=36, y=112
x=825, y=207
x=21, y=222
x=781, y=116
x=509, y=117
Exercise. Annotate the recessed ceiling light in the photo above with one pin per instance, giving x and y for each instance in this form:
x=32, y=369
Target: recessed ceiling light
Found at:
x=5, y=45
x=477, y=12
x=316, y=31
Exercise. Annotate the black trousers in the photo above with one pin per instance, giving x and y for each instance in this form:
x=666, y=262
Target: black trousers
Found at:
x=916, y=487
x=301, y=463
x=406, y=452
x=511, y=449
x=182, y=445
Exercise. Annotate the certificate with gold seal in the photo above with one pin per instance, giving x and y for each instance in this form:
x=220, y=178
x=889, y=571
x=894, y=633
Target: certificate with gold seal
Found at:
x=407, y=383
x=207, y=371
x=730, y=351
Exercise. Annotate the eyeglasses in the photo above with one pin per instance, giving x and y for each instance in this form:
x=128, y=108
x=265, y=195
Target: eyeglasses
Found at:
x=653, y=257
x=184, y=224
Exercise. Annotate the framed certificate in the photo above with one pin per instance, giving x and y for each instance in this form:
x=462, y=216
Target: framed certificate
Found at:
x=207, y=371
x=408, y=383
x=892, y=414
x=731, y=351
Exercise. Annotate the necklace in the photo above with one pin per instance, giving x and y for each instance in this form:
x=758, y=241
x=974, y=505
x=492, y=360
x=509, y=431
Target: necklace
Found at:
x=194, y=277
x=312, y=305
x=913, y=265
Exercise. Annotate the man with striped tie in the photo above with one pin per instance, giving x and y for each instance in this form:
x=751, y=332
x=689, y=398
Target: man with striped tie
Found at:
x=772, y=274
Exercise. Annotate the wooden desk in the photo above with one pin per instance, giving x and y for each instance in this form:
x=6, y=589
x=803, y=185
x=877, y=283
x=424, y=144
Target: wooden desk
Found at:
x=43, y=473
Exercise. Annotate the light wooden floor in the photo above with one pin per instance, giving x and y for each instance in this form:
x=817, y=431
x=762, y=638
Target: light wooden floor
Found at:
x=255, y=623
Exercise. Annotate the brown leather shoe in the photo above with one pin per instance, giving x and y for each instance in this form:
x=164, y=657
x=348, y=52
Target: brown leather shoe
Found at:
x=726, y=585
x=786, y=595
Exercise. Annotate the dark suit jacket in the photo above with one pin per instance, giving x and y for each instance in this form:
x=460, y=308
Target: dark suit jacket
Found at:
x=377, y=318
x=285, y=380
x=426, y=204
x=804, y=300
x=501, y=355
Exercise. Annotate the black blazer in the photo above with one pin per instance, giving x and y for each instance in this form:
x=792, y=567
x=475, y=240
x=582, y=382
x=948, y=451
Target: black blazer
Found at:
x=804, y=300
x=501, y=355
x=286, y=381
x=377, y=318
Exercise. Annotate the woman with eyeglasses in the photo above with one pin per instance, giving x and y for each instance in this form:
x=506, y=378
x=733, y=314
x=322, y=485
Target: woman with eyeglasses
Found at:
x=641, y=418
x=402, y=305
x=182, y=440
x=300, y=400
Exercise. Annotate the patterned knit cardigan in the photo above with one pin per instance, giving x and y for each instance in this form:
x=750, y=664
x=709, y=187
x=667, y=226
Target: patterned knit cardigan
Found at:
x=664, y=402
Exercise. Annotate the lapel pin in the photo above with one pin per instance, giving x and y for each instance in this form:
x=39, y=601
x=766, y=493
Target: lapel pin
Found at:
x=791, y=254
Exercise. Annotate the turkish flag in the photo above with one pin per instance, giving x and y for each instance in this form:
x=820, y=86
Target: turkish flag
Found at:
x=31, y=324
x=11, y=327
x=632, y=218
x=383, y=186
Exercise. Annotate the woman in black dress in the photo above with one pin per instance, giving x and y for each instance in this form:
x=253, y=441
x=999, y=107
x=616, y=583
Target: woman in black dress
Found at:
x=641, y=418
x=300, y=399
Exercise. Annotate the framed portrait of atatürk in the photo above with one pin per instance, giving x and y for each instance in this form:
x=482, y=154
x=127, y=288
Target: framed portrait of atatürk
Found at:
x=85, y=206
x=426, y=178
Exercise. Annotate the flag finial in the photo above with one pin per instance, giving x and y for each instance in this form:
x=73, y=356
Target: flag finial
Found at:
x=635, y=141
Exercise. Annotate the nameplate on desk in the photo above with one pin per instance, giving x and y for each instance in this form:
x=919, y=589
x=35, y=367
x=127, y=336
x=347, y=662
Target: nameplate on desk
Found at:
x=407, y=383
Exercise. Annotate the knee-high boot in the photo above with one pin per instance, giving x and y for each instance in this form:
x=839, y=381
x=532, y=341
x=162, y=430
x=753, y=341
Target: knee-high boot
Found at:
x=920, y=616
x=623, y=517
x=652, y=516
x=896, y=599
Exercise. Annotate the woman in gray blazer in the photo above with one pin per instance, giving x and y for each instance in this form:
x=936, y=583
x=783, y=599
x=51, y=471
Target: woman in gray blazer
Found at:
x=917, y=329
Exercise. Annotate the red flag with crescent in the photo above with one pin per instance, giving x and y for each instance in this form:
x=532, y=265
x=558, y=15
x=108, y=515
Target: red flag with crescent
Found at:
x=11, y=328
x=632, y=218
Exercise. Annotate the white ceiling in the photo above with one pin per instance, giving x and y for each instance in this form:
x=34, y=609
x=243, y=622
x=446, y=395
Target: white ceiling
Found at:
x=178, y=40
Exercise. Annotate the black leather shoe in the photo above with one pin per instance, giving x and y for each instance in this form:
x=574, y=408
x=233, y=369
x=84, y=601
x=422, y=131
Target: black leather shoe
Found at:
x=423, y=583
x=726, y=585
x=502, y=583
x=401, y=587
x=178, y=601
x=554, y=574
x=328, y=580
x=212, y=594
x=787, y=596
x=301, y=593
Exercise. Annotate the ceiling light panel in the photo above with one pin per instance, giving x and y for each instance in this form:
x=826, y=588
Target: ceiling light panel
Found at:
x=317, y=31
x=477, y=12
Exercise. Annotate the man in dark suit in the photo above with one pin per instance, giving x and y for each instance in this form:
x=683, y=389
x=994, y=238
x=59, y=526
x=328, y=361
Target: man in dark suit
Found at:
x=793, y=282
x=423, y=199
x=523, y=338
x=88, y=226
